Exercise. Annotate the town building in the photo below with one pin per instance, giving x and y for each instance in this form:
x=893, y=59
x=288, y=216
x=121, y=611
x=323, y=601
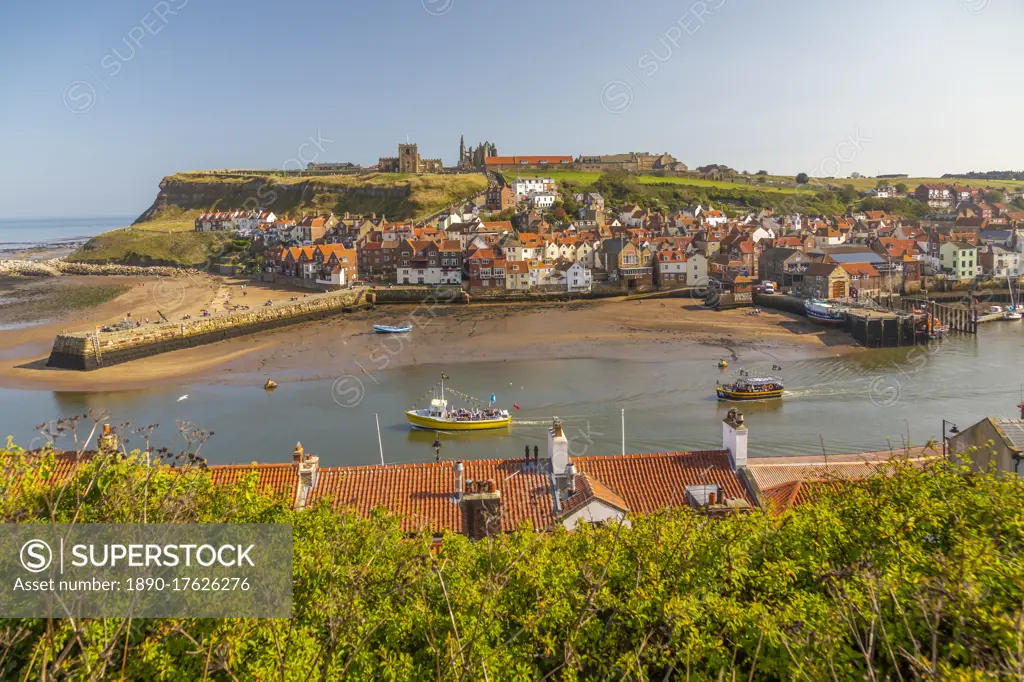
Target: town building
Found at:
x=959, y=259
x=500, y=198
x=511, y=163
x=429, y=262
x=826, y=281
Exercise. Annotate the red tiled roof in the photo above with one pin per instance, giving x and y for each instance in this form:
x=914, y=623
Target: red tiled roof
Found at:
x=423, y=493
x=653, y=481
x=530, y=160
x=589, y=489
x=795, y=493
x=278, y=479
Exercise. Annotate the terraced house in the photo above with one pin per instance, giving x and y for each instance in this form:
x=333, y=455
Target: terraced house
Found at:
x=429, y=262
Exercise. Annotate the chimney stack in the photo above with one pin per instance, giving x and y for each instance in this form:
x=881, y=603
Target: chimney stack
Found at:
x=298, y=454
x=558, y=448
x=308, y=474
x=734, y=438
x=481, y=510
x=460, y=479
x=570, y=473
x=107, y=442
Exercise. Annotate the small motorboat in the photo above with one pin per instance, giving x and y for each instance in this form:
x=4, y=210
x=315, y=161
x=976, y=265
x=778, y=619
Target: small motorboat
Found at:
x=824, y=312
x=722, y=364
x=388, y=329
x=766, y=388
x=1012, y=314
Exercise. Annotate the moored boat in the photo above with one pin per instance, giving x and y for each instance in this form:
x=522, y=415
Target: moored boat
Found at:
x=765, y=388
x=388, y=329
x=824, y=312
x=439, y=416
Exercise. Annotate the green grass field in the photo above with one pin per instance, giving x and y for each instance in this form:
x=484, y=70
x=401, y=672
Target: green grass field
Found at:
x=133, y=246
x=864, y=184
x=585, y=179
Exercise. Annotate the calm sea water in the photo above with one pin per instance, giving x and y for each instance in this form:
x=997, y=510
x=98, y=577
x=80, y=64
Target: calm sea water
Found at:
x=868, y=401
x=23, y=233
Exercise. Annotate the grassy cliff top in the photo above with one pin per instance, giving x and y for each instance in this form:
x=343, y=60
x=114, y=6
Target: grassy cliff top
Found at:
x=340, y=193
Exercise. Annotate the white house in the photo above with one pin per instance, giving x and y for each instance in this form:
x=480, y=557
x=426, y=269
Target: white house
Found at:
x=712, y=217
x=523, y=187
x=542, y=199
x=696, y=269
x=577, y=276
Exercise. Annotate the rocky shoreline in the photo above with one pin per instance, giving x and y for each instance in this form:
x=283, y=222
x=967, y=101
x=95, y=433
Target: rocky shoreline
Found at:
x=56, y=267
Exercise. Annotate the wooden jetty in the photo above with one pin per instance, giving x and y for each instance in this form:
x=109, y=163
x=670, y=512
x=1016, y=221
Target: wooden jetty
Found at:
x=960, y=317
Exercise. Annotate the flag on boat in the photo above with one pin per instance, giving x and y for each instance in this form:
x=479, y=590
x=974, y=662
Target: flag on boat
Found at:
x=493, y=399
x=515, y=405
x=445, y=376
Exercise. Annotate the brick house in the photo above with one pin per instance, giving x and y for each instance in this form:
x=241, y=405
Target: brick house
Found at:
x=825, y=280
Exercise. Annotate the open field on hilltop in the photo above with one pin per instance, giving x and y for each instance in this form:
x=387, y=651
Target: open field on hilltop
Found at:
x=292, y=194
x=167, y=225
x=864, y=184
x=134, y=246
x=586, y=179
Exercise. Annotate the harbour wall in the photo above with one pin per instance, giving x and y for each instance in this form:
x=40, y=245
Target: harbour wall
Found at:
x=86, y=351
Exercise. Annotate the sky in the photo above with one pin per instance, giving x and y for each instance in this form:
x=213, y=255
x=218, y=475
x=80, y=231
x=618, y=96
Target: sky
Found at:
x=103, y=99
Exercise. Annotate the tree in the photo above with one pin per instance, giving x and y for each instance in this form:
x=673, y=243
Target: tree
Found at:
x=802, y=179
x=994, y=197
x=901, y=187
x=762, y=172
x=882, y=182
x=848, y=194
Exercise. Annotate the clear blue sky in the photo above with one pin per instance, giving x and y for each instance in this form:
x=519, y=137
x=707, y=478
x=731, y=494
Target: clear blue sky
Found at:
x=928, y=86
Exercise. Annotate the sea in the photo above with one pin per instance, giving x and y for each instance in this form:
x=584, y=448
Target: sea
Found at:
x=18, y=234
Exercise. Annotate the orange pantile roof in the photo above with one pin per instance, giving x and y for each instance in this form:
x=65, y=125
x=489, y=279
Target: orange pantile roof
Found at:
x=589, y=489
x=281, y=480
x=653, y=481
x=785, y=496
x=528, y=160
x=423, y=494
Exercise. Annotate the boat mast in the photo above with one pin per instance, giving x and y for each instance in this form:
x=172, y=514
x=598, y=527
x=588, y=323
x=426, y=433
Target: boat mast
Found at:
x=380, y=443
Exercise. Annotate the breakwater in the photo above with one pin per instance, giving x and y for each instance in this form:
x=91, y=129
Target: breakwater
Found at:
x=86, y=351
x=55, y=267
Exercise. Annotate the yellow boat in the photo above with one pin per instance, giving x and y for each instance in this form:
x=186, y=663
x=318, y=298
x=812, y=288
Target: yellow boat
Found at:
x=439, y=417
x=768, y=388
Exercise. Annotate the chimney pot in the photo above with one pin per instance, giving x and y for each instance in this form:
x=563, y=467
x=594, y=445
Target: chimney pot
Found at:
x=712, y=498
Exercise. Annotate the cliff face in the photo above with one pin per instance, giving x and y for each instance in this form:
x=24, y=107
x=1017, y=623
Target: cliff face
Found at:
x=185, y=195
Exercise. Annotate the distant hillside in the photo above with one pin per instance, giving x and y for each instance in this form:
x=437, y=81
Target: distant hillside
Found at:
x=164, y=234
x=185, y=195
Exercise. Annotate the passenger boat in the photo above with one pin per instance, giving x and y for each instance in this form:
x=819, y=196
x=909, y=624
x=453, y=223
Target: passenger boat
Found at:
x=388, y=329
x=824, y=312
x=766, y=388
x=439, y=416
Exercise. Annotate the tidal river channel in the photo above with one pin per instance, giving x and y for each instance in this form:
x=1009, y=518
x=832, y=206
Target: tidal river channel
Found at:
x=871, y=400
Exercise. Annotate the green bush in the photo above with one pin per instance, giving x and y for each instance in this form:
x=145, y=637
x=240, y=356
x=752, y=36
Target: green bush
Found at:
x=917, y=575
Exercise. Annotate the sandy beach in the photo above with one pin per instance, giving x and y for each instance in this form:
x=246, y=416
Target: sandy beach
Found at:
x=651, y=331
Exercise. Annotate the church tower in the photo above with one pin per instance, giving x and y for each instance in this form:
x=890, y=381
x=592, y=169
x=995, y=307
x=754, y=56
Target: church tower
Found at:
x=462, y=152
